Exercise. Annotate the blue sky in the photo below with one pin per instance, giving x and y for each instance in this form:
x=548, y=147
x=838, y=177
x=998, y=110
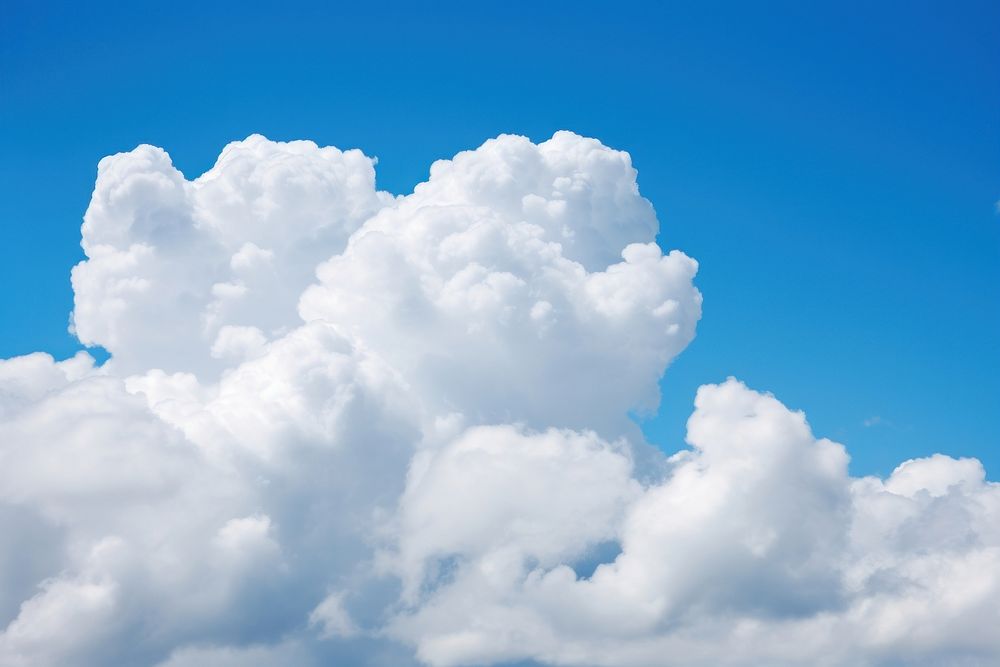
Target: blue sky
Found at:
x=835, y=170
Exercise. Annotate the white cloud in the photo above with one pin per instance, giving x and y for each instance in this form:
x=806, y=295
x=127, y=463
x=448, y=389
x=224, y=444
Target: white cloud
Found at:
x=755, y=548
x=497, y=497
x=504, y=309
x=342, y=427
x=332, y=619
x=171, y=262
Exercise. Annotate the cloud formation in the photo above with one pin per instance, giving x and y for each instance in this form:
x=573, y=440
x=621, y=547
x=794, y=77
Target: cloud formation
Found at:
x=343, y=426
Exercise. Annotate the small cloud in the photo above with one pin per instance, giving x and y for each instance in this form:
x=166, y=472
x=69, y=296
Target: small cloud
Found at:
x=332, y=619
x=878, y=420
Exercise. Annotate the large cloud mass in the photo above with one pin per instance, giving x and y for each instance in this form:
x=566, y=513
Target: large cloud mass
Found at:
x=343, y=427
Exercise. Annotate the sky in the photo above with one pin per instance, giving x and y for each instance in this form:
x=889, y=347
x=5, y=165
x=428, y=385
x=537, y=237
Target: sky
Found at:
x=310, y=353
x=833, y=167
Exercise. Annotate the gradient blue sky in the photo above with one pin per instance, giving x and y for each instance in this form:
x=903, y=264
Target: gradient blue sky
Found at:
x=835, y=169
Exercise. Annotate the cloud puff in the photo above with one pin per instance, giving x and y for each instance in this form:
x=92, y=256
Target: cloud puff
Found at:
x=339, y=426
x=173, y=264
x=756, y=537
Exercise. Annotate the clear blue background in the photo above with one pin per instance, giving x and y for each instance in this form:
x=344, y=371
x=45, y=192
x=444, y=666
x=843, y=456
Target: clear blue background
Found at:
x=835, y=168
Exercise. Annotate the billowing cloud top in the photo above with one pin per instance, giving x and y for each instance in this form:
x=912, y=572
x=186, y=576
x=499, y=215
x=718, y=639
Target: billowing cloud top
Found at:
x=344, y=427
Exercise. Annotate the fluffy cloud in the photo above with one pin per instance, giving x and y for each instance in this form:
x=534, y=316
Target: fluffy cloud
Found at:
x=520, y=283
x=756, y=537
x=339, y=426
x=174, y=265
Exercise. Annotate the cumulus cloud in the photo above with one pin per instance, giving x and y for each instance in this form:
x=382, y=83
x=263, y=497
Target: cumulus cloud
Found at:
x=173, y=264
x=756, y=537
x=340, y=426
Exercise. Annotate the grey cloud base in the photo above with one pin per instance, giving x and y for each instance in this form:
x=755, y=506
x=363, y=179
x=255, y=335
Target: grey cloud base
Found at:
x=344, y=427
